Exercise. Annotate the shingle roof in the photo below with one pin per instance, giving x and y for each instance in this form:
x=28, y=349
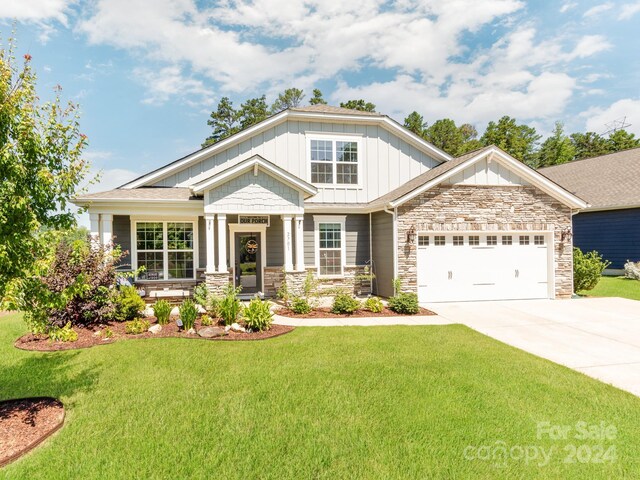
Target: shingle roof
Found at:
x=143, y=193
x=332, y=109
x=607, y=181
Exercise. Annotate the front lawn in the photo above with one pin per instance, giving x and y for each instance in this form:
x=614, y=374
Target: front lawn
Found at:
x=347, y=402
x=615, y=287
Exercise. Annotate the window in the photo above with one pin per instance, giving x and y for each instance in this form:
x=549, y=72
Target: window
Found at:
x=330, y=244
x=438, y=240
x=458, y=240
x=334, y=161
x=474, y=240
x=538, y=240
x=423, y=241
x=524, y=239
x=492, y=240
x=507, y=240
x=165, y=249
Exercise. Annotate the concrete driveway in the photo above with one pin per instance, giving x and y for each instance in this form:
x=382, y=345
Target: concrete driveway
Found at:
x=596, y=336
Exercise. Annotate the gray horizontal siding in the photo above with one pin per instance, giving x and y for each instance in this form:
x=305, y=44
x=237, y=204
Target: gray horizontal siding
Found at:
x=382, y=249
x=202, y=242
x=122, y=237
x=356, y=238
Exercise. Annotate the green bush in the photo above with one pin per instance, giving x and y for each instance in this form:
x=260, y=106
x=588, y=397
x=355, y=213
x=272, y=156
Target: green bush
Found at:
x=188, y=313
x=214, y=306
x=206, y=321
x=129, y=304
x=64, y=334
x=405, y=303
x=345, y=303
x=201, y=295
x=257, y=315
x=162, y=310
x=373, y=304
x=230, y=306
x=107, y=332
x=300, y=305
x=136, y=326
x=587, y=269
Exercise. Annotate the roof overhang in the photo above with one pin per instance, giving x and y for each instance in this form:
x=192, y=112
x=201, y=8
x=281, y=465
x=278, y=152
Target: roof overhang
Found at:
x=255, y=163
x=495, y=154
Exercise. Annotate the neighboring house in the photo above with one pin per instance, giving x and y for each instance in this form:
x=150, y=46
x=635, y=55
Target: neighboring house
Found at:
x=343, y=194
x=610, y=185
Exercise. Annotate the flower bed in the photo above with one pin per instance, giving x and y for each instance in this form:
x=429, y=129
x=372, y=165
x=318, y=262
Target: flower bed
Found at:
x=327, y=313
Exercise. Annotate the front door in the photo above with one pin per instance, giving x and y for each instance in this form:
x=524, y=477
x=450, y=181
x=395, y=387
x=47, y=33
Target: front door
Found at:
x=248, y=268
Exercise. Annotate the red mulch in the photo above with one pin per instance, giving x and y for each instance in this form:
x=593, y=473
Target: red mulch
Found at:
x=327, y=313
x=88, y=337
x=25, y=423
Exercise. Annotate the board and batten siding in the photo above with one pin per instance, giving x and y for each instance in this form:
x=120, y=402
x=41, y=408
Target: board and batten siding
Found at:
x=485, y=172
x=386, y=160
x=614, y=234
x=122, y=237
x=357, y=239
x=382, y=253
x=202, y=241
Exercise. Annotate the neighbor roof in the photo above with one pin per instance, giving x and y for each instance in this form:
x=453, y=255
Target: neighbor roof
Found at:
x=144, y=193
x=607, y=181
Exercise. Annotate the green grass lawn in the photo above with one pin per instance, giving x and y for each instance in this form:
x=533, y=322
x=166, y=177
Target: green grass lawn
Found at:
x=362, y=402
x=615, y=287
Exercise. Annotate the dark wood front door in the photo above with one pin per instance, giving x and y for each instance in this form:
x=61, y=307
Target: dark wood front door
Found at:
x=248, y=268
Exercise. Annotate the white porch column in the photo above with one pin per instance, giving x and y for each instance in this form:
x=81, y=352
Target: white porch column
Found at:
x=299, y=243
x=106, y=219
x=209, y=219
x=94, y=219
x=222, y=243
x=288, y=251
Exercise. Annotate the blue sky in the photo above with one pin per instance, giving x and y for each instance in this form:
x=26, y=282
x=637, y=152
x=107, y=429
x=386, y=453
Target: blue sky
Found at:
x=147, y=72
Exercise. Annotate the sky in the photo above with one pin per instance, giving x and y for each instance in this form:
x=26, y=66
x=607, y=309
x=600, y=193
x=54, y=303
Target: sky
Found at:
x=147, y=73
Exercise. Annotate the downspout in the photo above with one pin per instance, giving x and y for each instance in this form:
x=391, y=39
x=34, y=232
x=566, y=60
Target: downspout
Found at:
x=371, y=272
x=395, y=240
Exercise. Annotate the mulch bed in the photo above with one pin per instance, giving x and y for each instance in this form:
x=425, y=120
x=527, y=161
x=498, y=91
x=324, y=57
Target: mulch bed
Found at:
x=87, y=337
x=25, y=423
x=327, y=313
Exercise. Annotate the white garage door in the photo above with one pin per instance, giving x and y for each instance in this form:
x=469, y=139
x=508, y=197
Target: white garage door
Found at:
x=483, y=266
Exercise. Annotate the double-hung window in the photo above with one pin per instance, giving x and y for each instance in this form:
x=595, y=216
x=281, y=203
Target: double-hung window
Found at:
x=330, y=251
x=334, y=161
x=165, y=250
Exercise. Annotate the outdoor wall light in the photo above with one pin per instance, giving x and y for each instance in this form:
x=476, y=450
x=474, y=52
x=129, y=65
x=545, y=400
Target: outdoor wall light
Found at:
x=566, y=235
x=411, y=235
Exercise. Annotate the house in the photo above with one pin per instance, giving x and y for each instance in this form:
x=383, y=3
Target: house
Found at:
x=351, y=196
x=611, y=223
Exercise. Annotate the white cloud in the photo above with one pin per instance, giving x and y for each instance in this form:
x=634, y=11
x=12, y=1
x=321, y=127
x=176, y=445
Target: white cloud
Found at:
x=628, y=10
x=169, y=82
x=596, y=118
x=40, y=12
x=568, y=6
x=598, y=9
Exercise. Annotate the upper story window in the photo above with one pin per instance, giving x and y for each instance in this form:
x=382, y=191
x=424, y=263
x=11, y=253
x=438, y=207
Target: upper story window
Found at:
x=334, y=161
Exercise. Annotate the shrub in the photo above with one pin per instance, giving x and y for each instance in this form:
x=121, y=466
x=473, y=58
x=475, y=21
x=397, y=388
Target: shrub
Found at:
x=136, y=326
x=188, y=313
x=107, y=332
x=373, y=304
x=257, y=315
x=345, y=303
x=162, y=311
x=206, y=321
x=632, y=270
x=214, y=306
x=587, y=269
x=283, y=292
x=230, y=306
x=201, y=295
x=128, y=304
x=405, y=303
x=64, y=334
x=300, y=305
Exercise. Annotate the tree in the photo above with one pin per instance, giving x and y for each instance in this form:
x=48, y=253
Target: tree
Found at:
x=622, y=140
x=41, y=167
x=518, y=141
x=359, y=105
x=557, y=149
x=589, y=144
x=415, y=122
x=291, y=97
x=224, y=121
x=253, y=111
x=445, y=135
x=317, y=98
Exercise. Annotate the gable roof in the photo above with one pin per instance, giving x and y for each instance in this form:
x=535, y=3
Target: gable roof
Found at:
x=439, y=174
x=606, y=182
x=312, y=112
x=255, y=163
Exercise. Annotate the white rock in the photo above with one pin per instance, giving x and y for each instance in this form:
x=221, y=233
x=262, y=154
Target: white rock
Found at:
x=236, y=327
x=175, y=311
x=191, y=331
x=148, y=312
x=227, y=328
x=155, y=328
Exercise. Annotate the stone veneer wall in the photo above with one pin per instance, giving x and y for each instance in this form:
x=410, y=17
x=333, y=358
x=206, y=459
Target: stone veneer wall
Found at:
x=274, y=276
x=485, y=208
x=218, y=281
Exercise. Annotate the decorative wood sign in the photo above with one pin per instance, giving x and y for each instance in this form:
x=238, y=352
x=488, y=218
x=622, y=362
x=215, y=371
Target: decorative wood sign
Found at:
x=253, y=219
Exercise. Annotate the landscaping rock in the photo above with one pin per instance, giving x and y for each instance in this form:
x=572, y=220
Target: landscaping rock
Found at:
x=236, y=327
x=155, y=328
x=227, y=328
x=210, y=332
x=191, y=331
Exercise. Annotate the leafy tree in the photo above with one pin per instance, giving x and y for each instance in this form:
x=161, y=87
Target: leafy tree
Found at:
x=291, y=97
x=415, y=122
x=557, y=149
x=317, y=98
x=253, y=111
x=589, y=144
x=445, y=135
x=622, y=140
x=41, y=166
x=224, y=121
x=359, y=105
x=517, y=140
